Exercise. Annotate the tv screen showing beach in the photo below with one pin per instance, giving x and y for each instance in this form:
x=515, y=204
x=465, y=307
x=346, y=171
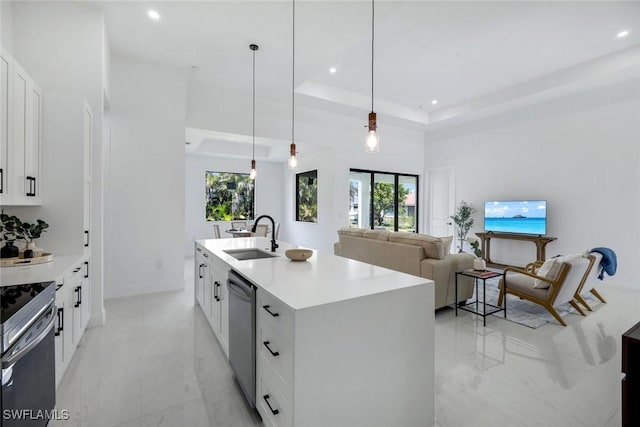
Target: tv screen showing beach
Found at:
x=523, y=216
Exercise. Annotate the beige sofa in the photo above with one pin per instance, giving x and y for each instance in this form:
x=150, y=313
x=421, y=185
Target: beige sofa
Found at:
x=410, y=253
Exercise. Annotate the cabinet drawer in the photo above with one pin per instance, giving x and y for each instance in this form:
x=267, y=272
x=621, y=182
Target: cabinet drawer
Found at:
x=270, y=399
x=277, y=351
x=276, y=313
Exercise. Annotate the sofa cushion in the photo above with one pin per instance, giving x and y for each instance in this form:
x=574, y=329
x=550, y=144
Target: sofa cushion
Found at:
x=433, y=246
x=353, y=232
x=525, y=284
x=376, y=234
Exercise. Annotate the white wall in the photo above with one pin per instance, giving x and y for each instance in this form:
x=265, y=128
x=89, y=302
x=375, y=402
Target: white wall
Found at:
x=146, y=199
x=267, y=193
x=401, y=151
x=580, y=153
x=60, y=44
x=6, y=25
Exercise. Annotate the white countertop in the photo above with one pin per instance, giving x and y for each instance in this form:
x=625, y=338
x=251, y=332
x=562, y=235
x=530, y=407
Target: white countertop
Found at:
x=322, y=279
x=49, y=271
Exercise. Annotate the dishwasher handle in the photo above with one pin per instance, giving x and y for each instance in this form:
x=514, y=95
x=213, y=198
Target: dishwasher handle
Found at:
x=240, y=290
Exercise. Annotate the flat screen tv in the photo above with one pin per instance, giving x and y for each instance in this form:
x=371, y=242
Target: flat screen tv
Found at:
x=516, y=216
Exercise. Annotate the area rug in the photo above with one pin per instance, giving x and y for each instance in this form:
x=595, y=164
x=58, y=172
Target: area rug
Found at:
x=527, y=313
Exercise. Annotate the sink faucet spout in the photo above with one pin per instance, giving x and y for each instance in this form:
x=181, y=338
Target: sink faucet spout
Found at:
x=274, y=245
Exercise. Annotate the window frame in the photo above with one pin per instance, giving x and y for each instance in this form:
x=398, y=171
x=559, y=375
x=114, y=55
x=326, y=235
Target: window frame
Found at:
x=251, y=215
x=396, y=181
x=308, y=174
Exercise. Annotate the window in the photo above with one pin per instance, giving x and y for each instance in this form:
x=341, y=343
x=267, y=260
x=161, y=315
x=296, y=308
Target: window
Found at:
x=307, y=196
x=383, y=200
x=229, y=196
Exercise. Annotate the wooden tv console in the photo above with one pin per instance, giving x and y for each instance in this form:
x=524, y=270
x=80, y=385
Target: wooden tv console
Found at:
x=540, y=241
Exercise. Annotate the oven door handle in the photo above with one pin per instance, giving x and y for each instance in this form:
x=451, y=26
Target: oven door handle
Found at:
x=14, y=358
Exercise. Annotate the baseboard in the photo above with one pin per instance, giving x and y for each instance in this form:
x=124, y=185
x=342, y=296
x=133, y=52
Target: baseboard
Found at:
x=143, y=289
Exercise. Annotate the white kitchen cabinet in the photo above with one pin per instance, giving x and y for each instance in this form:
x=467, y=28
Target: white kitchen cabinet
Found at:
x=211, y=294
x=60, y=333
x=88, y=149
x=338, y=342
x=21, y=141
x=219, y=319
x=6, y=103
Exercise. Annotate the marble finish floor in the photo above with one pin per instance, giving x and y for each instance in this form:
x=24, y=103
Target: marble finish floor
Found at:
x=156, y=363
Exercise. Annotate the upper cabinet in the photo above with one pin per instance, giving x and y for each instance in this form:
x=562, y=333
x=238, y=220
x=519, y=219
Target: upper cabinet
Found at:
x=21, y=135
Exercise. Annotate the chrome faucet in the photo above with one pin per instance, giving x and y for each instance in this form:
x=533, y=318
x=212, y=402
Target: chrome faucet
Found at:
x=274, y=245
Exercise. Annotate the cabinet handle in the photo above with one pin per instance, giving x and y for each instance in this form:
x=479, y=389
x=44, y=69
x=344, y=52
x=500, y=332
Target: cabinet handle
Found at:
x=266, y=307
x=206, y=255
x=86, y=274
x=33, y=193
x=78, y=291
x=1, y=180
x=60, y=327
x=266, y=400
x=216, y=294
x=219, y=297
x=200, y=270
x=58, y=286
x=274, y=354
x=86, y=243
x=77, y=269
x=29, y=194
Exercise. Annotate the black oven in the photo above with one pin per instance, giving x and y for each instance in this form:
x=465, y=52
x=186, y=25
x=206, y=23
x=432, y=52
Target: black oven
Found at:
x=28, y=355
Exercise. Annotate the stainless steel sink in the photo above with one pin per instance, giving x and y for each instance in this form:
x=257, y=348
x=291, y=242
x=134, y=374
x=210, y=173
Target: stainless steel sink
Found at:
x=246, y=254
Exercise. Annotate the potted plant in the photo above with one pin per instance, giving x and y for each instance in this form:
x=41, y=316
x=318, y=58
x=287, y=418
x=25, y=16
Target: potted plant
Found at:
x=463, y=220
x=12, y=229
x=9, y=226
x=478, y=263
x=30, y=232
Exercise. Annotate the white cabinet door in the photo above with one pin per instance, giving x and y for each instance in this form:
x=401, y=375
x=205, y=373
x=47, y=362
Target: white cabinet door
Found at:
x=88, y=147
x=33, y=143
x=6, y=125
x=85, y=295
x=18, y=138
x=60, y=332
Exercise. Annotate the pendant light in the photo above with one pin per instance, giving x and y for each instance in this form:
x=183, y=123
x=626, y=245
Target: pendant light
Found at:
x=253, y=173
x=373, y=139
x=293, y=160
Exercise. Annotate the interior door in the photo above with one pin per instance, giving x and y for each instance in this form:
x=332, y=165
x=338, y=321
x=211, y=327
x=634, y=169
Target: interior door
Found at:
x=441, y=189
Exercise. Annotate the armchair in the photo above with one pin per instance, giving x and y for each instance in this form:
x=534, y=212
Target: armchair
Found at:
x=587, y=284
x=529, y=284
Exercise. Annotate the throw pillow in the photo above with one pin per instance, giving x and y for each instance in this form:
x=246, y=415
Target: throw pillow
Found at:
x=433, y=246
x=549, y=270
x=353, y=232
x=446, y=242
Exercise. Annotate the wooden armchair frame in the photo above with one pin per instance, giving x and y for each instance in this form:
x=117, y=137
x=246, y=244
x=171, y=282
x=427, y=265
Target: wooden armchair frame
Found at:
x=552, y=292
x=577, y=296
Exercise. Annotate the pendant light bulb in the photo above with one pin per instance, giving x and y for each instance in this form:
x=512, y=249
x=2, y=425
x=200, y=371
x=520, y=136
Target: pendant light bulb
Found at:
x=253, y=173
x=373, y=139
x=293, y=160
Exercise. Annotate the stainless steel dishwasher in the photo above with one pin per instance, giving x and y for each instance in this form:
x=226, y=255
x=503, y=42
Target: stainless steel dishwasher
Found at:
x=242, y=333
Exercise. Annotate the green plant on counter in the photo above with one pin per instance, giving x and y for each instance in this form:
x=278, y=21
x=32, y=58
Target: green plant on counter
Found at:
x=12, y=228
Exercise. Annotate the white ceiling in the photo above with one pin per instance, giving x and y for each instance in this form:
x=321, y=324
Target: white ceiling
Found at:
x=456, y=52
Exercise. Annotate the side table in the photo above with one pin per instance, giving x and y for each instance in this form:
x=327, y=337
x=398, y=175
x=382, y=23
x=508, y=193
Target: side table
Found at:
x=477, y=277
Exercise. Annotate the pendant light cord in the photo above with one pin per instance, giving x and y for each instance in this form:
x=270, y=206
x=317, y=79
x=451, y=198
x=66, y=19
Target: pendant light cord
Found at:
x=253, y=152
x=293, y=74
x=373, y=15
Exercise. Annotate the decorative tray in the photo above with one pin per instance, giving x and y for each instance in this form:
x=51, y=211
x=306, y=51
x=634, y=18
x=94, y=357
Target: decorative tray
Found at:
x=20, y=261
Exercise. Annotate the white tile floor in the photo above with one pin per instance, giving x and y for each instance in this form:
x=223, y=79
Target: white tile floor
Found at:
x=156, y=363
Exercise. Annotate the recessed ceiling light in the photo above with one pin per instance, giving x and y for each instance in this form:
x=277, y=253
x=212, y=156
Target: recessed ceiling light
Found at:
x=332, y=70
x=434, y=102
x=153, y=15
x=622, y=34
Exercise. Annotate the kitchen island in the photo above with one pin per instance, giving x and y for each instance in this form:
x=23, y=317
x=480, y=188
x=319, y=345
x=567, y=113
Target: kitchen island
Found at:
x=338, y=342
